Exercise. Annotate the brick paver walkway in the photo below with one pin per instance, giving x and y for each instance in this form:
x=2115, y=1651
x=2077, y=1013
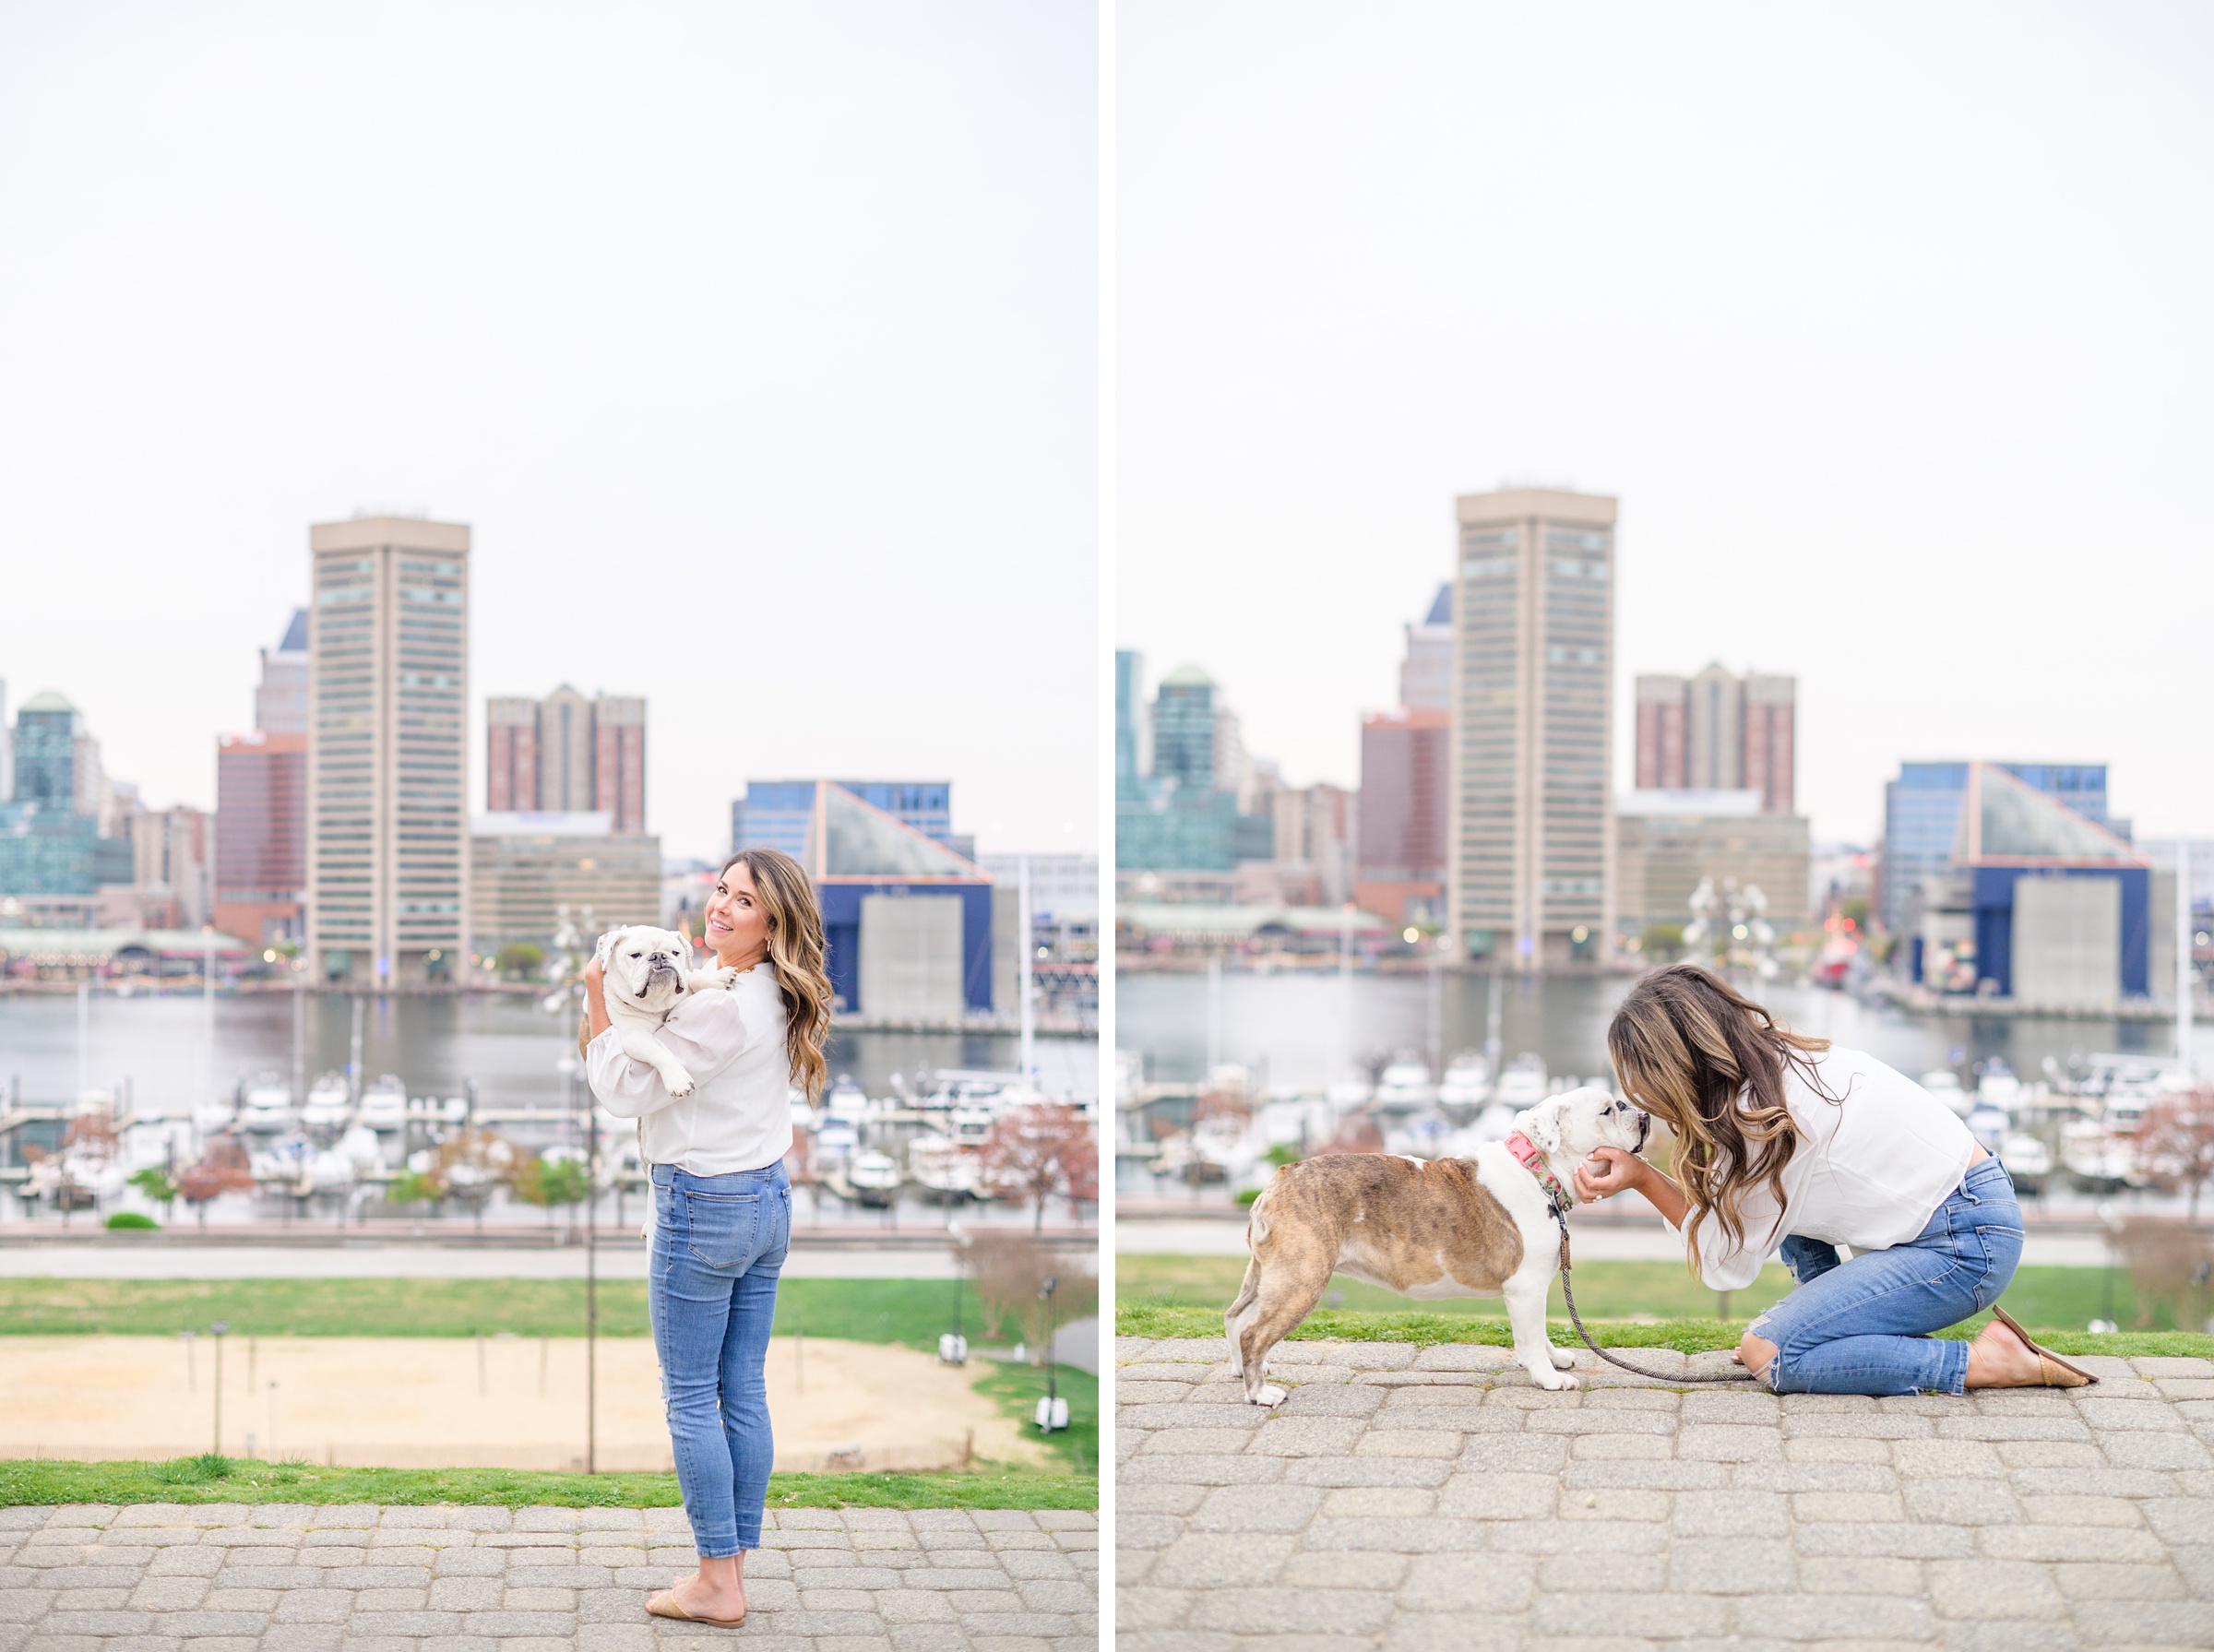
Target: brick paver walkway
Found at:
x=295, y=1578
x=1435, y=1498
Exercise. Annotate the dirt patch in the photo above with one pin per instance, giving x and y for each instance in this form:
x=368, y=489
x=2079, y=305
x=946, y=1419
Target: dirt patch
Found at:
x=501, y=1403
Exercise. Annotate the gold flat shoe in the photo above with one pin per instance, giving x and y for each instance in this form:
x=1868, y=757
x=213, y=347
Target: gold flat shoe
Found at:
x=2057, y=1373
x=663, y=1605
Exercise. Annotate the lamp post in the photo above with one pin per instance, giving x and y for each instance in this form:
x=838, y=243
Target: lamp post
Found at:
x=218, y=1327
x=1052, y=1410
x=953, y=1346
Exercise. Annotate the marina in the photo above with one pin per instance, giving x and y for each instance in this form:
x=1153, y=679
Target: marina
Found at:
x=466, y=1112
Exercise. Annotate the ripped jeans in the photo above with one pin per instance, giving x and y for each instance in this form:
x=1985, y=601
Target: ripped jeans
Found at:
x=1864, y=1327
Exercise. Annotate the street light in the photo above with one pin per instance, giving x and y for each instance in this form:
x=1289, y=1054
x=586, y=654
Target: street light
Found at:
x=1052, y=1410
x=953, y=1346
x=218, y=1327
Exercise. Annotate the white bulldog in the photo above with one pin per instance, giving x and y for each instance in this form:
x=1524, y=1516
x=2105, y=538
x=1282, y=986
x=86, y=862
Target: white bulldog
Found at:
x=645, y=974
x=1452, y=1226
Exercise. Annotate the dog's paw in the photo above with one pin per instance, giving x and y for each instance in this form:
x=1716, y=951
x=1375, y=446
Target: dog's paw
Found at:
x=1268, y=1394
x=680, y=1086
x=727, y=976
x=1560, y=1382
x=1563, y=1359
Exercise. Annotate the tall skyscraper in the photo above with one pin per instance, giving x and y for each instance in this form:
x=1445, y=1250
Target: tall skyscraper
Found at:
x=1533, y=836
x=389, y=750
x=280, y=700
x=1132, y=754
x=47, y=729
x=565, y=755
x=1426, y=672
x=1718, y=732
x=1183, y=729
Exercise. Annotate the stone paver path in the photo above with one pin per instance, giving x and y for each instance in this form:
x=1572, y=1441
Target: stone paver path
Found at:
x=296, y=1578
x=1412, y=1500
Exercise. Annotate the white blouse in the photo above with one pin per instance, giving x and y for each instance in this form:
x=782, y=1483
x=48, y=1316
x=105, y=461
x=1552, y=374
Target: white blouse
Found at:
x=1867, y=1173
x=737, y=1117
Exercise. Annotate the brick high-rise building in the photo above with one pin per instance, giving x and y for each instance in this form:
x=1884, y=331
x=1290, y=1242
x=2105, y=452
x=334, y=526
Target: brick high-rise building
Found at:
x=1406, y=756
x=1718, y=732
x=260, y=836
x=565, y=755
x=387, y=764
x=1531, y=863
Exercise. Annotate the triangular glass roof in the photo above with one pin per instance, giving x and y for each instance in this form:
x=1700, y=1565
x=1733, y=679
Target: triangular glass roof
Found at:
x=2008, y=819
x=852, y=838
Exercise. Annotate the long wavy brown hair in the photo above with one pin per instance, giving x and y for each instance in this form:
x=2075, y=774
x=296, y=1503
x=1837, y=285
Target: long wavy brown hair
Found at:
x=796, y=949
x=1709, y=1063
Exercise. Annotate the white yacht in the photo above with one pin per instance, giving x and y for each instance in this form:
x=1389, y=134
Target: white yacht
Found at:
x=1944, y=1083
x=1467, y=1083
x=2098, y=1161
x=1998, y=1087
x=215, y=1115
x=937, y=1165
x=2027, y=1162
x=1988, y=1125
x=384, y=1102
x=1522, y=1084
x=327, y=1106
x=1404, y=1086
x=970, y=1126
x=269, y=1105
x=874, y=1177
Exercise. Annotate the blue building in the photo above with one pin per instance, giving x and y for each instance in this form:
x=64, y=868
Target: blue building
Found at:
x=776, y=814
x=1922, y=817
x=47, y=848
x=870, y=866
x=2036, y=902
x=1183, y=729
x=1129, y=714
x=46, y=731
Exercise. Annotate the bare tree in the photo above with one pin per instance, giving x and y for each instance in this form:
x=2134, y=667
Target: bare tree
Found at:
x=2175, y=1143
x=1036, y=1151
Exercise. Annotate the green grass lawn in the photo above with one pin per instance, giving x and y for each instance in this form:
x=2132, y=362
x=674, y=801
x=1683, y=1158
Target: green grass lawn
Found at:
x=909, y=1312
x=2056, y=1299
x=218, y=1479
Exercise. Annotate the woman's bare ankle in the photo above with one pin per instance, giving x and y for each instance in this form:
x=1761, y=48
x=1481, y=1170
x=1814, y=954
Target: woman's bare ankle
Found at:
x=1999, y=1359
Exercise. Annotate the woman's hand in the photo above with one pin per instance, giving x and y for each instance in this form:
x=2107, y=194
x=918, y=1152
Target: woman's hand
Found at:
x=1616, y=1172
x=595, y=1001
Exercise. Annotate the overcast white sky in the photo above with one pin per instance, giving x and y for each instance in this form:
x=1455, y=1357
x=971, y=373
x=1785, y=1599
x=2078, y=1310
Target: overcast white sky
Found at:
x=1889, y=325
x=757, y=343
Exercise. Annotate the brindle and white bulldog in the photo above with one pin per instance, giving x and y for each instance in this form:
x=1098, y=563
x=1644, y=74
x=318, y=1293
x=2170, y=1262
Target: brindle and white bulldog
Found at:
x=1452, y=1226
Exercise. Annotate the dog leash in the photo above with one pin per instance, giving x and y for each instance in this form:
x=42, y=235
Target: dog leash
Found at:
x=1568, y=1295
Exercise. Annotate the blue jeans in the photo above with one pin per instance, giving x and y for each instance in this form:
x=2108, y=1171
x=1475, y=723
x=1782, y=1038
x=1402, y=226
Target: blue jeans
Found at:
x=718, y=1243
x=1864, y=1327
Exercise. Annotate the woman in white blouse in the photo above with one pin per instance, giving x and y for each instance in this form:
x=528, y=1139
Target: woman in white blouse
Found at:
x=721, y=1204
x=1785, y=1142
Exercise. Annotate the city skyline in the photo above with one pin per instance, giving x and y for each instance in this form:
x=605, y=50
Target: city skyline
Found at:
x=1869, y=388
x=699, y=343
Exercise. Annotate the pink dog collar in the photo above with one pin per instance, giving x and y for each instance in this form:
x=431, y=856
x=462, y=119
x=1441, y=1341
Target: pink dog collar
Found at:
x=1523, y=1149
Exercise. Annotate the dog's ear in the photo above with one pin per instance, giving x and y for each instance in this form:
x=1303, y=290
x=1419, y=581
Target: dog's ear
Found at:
x=1541, y=1123
x=605, y=951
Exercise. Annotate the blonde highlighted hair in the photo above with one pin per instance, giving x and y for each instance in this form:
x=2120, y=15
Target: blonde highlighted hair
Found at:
x=1709, y=1063
x=796, y=949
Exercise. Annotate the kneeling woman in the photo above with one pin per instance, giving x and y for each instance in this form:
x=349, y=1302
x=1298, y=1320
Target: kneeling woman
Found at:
x=721, y=1205
x=1780, y=1138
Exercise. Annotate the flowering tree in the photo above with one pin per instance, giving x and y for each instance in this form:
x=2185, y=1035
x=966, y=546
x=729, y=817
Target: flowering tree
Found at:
x=223, y=1169
x=1036, y=1151
x=2175, y=1142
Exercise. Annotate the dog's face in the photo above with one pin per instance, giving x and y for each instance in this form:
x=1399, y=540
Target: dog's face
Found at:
x=1571, y=1124
x=644, y=969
